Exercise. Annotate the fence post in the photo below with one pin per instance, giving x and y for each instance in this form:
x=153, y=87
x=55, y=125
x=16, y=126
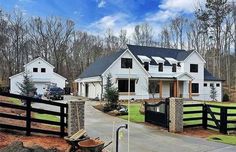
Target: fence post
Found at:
x=28, y=117
x=75, y=116
x=176, y=115
x=62, y=121
x=223, y=120
x=204, y=116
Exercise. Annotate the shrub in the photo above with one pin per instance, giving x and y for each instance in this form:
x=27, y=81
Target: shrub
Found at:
x=226, y=97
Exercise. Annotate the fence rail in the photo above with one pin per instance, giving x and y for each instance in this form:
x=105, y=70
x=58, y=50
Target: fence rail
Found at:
x=62, y=114
x=210, y=116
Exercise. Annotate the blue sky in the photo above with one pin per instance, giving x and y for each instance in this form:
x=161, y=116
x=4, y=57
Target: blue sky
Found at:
x=96, y=16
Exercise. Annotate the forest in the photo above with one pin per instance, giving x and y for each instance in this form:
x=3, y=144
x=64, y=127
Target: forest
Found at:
x=211, y=31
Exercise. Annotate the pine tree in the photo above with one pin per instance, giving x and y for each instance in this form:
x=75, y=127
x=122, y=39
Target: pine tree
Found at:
x=27, y=87
x=213, y=92
x=111, y=94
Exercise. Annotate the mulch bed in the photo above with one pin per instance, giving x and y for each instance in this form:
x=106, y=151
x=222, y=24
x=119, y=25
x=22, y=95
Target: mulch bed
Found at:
x=46, y=142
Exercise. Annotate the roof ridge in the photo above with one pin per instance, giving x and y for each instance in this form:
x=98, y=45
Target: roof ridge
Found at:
x=157, y=47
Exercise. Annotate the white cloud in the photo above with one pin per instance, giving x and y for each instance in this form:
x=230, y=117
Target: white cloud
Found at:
x=187, y=6
x=161, y=16
x=101, y=3
x=113, y=22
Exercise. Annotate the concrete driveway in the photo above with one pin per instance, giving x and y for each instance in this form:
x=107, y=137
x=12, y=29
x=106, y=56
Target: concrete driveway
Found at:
x=51, y=107
x=145, y=138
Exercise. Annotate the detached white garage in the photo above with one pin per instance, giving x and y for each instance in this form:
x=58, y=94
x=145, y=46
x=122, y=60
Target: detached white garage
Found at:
x=42, y=75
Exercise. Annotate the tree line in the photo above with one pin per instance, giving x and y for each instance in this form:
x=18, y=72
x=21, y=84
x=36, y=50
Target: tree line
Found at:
x=211, y=31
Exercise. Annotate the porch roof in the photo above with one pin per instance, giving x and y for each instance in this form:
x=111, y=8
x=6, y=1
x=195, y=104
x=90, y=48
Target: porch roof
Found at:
x=179, y=76
x=126, y=76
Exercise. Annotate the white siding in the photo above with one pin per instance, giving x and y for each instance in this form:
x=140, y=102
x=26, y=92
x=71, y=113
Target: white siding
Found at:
x=141, y=86
x=194, y=58
x=207, y=91
x=14, y=84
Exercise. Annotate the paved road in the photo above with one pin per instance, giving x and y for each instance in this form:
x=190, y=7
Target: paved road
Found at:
x=145, y=138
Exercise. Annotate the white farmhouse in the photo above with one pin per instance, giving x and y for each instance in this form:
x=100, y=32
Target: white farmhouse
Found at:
x=42, y=75
x=154, y=73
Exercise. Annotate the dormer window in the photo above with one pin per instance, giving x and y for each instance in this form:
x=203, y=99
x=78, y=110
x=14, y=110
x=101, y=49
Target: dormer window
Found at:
x=160, y=67
x=43, y=70
x=146, y=65
x=174, y=67
x=35, y=69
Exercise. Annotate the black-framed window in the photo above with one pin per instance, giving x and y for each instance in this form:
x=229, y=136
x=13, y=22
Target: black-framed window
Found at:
x=126, y=63
x=146, y=66
x=160, y=67
x=194, y=68
x=43, y=70
x=195, y=88
x=35, y=69
x=173, y=67
x=205, y=85
x=217, y=85
x=123, y=85
x=153, y=87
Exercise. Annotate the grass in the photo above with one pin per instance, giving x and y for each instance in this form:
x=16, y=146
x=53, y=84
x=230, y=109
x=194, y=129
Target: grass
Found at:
x=46, y=117
x=223, y=139
x=11, y=100
x=135, y=115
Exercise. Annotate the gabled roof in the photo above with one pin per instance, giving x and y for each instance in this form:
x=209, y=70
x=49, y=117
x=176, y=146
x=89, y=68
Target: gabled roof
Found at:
x=100, y=65
x=41, y=59
x=209, y=77
x=150, y=52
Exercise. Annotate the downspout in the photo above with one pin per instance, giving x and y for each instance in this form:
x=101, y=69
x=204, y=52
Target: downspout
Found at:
x=101, y=87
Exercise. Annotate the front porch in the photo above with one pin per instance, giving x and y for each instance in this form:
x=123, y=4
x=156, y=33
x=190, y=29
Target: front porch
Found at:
x=180, y=87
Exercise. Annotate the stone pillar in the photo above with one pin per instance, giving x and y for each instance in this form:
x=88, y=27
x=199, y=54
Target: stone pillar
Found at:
x=176, y=115
x=75, y=116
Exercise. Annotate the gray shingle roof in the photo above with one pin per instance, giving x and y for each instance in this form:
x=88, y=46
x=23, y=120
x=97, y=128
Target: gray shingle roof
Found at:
x=177, y=54
x=100, y=65
x=209, y=77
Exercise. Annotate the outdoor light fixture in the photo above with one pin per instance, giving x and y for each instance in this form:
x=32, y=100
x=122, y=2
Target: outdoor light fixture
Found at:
x=117, y=135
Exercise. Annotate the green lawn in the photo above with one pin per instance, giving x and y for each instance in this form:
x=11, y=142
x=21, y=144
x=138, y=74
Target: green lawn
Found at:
x=46, y=117
x=223, y=139
x=135, y=116
x=11, y=100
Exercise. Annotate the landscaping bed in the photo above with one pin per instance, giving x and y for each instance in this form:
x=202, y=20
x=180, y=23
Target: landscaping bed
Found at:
x=46, y=142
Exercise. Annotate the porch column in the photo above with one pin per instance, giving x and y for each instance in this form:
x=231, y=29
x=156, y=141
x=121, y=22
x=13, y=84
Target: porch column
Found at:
x=175, y=88
x=160, y=88
x=190, y=89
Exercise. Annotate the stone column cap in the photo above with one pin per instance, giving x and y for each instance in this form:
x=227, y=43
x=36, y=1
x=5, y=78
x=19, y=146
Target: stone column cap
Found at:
x=76, y=100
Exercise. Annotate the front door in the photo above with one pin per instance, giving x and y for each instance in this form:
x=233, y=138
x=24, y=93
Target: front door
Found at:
x=171, y=89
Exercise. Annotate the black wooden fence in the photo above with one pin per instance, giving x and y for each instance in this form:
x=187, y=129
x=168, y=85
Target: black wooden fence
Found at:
x=222, y=118
x=28, y=119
